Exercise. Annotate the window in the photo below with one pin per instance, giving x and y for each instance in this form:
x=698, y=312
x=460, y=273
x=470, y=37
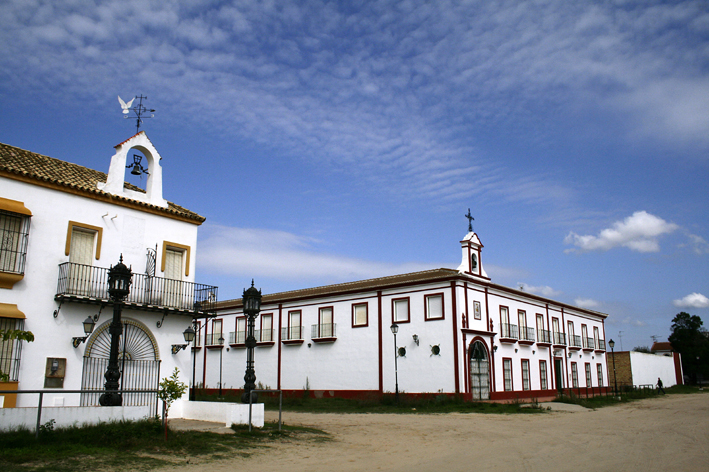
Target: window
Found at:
x=433, y=305
x=596, y=337
x=542, y=334
x=525, y=374
x=543, y=374
x=10, y=350
x=559, y=337
x=574, y=375
x=507, y=370
x=570, y=328
x=587, y=342
x=589, y=383
x=197, y=334
x=240, y=333
x=266, y=333
x=507, y=330
x=14, y=235
x=400, y=310
x=599, y=368
x=524, y=334
x=213, y=339
x=325, y=324
x=359, y=315
x=294, y=330
x=175, y=257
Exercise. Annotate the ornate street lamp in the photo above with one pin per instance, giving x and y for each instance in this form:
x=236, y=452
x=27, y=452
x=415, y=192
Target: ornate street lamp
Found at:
x=252, y=307
x=611, y=343
x=189, y=337
x=395, y=329
x=119, y=281
x=88, y=328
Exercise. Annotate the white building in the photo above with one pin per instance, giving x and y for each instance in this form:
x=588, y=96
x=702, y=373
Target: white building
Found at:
x=458, y=332
x=62, y=227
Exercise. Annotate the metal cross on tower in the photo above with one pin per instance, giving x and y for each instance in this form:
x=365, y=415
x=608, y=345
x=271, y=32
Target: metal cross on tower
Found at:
x=139, y=110
x=470, y=221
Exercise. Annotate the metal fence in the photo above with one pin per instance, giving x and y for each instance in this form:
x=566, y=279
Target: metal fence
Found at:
x=508, y=331
x=92, y=282
x=11, y=349
x=137, y=377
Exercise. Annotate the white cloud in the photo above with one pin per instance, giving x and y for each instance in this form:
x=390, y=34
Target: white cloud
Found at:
x=543, y=290
x=586, y=303
x=249, y=252
x=638, y=232
x=693, y=300
x=699, y=244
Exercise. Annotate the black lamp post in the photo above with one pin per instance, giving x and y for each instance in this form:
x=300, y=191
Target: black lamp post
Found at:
x=615, y=379
x=194, y=363
x=395, y=329
x=119, y=280
x=252, y=307
x=221, y=349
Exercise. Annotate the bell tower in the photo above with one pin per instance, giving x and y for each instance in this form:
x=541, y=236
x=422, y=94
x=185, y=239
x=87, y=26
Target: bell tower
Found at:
x=472, y=251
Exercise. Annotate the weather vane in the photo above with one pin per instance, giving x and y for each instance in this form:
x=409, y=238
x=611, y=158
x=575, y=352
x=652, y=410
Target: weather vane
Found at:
x=470, y=221
x=139, y=110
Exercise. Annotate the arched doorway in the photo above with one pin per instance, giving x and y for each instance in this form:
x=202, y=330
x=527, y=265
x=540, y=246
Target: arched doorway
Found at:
x=479, y=371
x=138, y=359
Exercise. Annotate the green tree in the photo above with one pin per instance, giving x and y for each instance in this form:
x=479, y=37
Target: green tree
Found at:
x=690, y=339
x=171, y=389
x=11, y=335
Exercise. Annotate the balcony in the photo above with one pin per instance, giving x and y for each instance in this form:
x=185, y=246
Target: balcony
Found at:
x=213, y=341
x=574, y=342
x=264, y=337
x=508, y=333
x=89, y=284
x=560, y=339
x=526, y=336
x=292, y=335
x=237, y=339
x=588, y=344
x=323, y=333
x=600, y=345
x=544, y=336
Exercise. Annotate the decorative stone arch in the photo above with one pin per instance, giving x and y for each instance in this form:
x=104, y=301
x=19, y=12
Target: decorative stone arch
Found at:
x=479, y=359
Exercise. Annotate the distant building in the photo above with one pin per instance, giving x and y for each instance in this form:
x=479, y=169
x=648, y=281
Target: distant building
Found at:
x=662, y=348
x=642, y=369
x=62, y=226
x=458, y=332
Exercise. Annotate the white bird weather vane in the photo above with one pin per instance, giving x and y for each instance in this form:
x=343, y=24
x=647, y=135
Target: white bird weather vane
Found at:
x=139, y=110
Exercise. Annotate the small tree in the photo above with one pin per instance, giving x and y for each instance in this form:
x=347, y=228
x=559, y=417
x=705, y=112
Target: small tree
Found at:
x=11, y=335
x=690, y=339
x=170, y=390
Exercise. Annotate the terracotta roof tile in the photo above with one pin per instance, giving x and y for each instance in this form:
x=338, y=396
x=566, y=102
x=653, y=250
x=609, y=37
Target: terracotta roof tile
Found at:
x=42, y=168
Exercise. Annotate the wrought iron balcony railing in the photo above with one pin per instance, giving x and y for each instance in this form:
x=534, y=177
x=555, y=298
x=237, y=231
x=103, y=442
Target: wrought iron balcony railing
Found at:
x=526, y=334
x=588, y=343
x=292, y=333
x=574, y=341
x=154, y=293
x=213, y=339
x=544, y=336
x=560, y=339
x=327, y=330
x=601, y=344
x=508, y=331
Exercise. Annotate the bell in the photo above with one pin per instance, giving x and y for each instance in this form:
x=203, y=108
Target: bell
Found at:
x=136, y=169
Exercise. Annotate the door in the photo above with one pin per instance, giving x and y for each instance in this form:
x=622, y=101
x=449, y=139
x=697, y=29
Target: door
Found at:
x=80, y=254
x=479, y=371
x=173, y=278
x=559, y=374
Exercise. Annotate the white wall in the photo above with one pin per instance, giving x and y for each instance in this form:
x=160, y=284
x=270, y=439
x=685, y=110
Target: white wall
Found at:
x=648, y=367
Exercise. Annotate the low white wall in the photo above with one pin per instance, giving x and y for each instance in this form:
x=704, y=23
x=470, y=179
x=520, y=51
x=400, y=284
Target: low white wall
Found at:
x=648, y=367
x=11, y=418
x=228, y=413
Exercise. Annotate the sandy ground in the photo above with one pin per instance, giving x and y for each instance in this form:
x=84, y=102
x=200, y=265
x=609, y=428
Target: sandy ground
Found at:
x=660, y=434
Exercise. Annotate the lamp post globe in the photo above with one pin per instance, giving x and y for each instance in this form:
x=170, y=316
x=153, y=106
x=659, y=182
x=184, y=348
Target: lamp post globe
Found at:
x=252, y=306
x=119, y=281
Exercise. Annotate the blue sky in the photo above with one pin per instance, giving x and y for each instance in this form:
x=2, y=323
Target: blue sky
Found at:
x=334, y=141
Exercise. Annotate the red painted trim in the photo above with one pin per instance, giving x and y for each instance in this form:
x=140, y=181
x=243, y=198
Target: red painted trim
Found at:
x=551, y=358
x=380, y=328
x=292, y=341
x=443, y=305
x=324, y=340
x=466, y=365
x=204, y=355
x=679, y=377
x=366, y=309
x=467, y=314
x=456, y=354
x=566, y=354
x=408, y=310
x=478, y=332
x=280, y=357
